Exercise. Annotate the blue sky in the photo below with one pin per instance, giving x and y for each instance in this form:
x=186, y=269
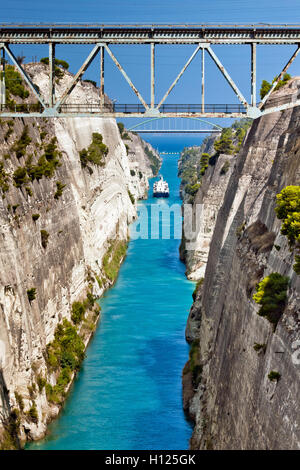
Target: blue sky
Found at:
x=169, y=61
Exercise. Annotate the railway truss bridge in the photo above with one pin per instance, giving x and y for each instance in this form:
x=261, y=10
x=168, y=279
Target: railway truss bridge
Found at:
x=205, y=39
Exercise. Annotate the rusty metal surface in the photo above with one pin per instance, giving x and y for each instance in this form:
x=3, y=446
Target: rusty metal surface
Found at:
x=217, y=34
x=51, y=74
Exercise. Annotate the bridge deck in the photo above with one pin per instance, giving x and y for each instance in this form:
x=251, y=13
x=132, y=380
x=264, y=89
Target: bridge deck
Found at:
x=172, y=34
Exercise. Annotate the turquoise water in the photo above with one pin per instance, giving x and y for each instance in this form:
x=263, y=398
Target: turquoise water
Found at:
x=128, y=392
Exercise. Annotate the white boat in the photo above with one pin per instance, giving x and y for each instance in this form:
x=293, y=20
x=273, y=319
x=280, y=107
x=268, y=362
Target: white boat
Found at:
x=161, y=188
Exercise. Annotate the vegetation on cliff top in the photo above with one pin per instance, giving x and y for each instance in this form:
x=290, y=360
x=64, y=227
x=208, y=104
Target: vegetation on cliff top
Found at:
x=266, y=86
x=194, y=162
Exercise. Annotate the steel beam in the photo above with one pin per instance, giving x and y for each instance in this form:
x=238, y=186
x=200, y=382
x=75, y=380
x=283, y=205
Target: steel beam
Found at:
x=145, y=34
x=202, y=81
x=24, y=74
x=178, y=76
x=51, y=74
x=119, y=66
x=78, y=75
x=279, y=77
x=2, y=78
x=227, y=76
x=102, y=76
x=56, y=114
x=152, y=74
x=253, y=74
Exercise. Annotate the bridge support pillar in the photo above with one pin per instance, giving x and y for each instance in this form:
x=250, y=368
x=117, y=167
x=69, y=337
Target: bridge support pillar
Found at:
x=101, y=77
x=2, y=79
x=203, y=81
x=253, y=74
x=51, y=74
x=152, y=74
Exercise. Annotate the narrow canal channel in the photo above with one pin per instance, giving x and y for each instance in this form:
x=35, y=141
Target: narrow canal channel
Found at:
x=128, y=392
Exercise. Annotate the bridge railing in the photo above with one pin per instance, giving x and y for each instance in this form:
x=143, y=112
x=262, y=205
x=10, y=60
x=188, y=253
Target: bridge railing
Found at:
x=183, y=108
x=94, y=108
x=165, y=108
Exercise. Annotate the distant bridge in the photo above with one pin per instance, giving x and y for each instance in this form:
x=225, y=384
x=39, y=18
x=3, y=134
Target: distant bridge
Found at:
x=176, y=126
x=205, y=37
x=169, y=153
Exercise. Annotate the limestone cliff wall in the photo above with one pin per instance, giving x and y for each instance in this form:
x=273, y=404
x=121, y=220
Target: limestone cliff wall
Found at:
x=233, y=402
x=207, y=201
x=95, y=207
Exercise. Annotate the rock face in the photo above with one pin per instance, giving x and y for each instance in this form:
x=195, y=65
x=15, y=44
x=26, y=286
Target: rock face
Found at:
x=208, y=201
x=95, y=206
x=230, y=397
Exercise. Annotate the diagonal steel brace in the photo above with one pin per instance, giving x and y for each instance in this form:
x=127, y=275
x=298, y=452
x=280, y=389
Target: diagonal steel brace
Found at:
x=24, y=74
x=78, y=75
x=227, y=76
x=279, y=77
x=178, y=76
x=117, y=63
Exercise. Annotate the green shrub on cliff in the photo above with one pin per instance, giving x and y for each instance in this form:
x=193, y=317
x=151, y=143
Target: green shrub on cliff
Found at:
x=288, y=210
x=78, y=311
x=296, y=266
x=32, y=413
x=203, y=163
x=274, y=376
x=271, y=295
x=225, y=143
x=192, y=188
x=46, y=164
x=14, y=83
x=44, y=238
x=95, y=153
x=59, y=190
x=31, y=294
x=19, y=147
x=65, y=353
x=113, y=257
x=4, y=178
x=266, y=86
x=20, y=176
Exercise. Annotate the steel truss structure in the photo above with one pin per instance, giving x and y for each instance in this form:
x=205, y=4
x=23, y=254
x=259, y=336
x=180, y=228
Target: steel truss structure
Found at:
x=204, y=37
